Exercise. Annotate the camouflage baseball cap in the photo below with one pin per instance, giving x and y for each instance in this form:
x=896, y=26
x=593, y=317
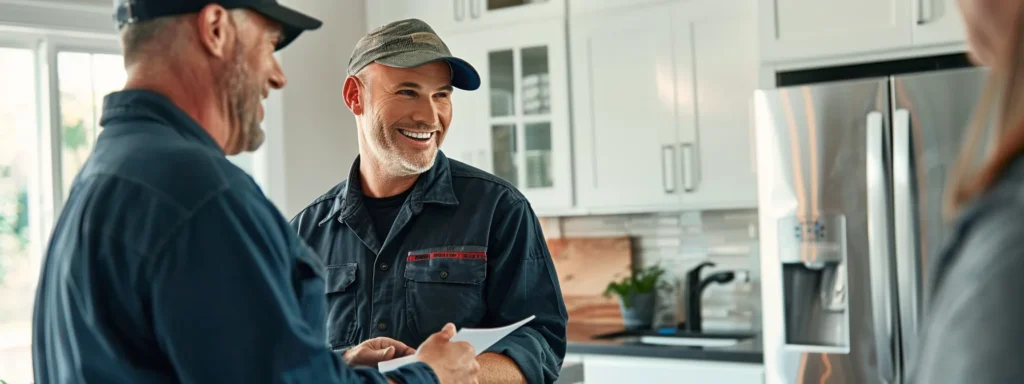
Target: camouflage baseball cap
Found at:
x=406, y=44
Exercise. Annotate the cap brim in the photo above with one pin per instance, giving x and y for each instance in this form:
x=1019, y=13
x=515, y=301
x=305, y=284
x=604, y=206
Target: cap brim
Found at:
x=464, y=76
x=293, y=22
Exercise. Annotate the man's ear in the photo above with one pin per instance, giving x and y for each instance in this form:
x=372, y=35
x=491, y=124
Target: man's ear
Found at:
x=215, y=29
x=352, y=93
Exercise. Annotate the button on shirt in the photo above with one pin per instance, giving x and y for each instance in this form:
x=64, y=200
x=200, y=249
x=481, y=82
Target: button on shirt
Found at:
x=465, y=247
x=168, y=265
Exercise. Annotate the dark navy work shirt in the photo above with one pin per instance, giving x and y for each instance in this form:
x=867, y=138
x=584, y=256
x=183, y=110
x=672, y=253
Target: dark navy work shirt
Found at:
x=168, y=265
x=465, y=248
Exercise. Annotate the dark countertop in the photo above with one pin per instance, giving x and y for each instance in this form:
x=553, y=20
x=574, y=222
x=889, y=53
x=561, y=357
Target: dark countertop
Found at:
x=581, y=341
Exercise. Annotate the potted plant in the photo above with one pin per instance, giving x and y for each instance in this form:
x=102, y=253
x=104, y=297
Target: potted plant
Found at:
x=636, y=294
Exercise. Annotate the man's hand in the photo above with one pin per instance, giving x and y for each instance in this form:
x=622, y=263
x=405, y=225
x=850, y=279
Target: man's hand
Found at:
x=376, y=350
x=453, y=363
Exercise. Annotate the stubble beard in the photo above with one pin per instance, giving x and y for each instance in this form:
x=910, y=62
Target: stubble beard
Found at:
x=395, y=160
x=244, y=99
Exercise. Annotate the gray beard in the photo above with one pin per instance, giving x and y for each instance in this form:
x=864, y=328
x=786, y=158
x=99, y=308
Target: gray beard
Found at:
x=243, y=99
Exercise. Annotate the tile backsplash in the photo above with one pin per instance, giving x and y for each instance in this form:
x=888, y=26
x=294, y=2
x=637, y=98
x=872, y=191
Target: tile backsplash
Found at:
x=678, y=241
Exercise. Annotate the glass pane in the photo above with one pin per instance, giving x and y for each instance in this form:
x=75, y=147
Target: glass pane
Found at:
x=19, y=255
x=536, y=84
x=538, y=155
x=504, y=142
x=84, y=78
x=499, y=4
x=499, y=68
x=108, y=75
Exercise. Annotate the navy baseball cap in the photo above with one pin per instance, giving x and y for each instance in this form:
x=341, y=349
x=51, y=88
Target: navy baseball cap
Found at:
x=292, y=22
x=410, y=43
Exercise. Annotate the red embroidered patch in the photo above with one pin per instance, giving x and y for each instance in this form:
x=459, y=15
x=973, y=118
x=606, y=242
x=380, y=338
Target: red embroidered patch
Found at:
x=448, y=255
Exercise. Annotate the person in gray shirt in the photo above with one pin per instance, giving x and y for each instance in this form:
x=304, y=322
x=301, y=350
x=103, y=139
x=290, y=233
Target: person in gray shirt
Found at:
x=973, y=329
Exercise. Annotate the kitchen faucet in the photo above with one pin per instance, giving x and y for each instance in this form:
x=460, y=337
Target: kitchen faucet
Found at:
x=695, y=287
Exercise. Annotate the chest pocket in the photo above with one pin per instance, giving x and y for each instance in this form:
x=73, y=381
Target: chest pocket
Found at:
x=342, y=323
x=445, y=285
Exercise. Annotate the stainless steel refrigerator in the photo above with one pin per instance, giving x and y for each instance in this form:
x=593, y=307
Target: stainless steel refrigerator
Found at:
x=851, y=177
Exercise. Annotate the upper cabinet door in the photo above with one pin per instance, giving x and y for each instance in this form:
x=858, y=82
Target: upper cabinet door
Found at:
x=717, y=159
x=808, y=29
x=937, y=22
x=462, y=15
x=501, y=12
x=578, y=7
x=626, y=133
x=520, y=114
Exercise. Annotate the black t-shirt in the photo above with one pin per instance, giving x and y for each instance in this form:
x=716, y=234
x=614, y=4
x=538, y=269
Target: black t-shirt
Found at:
x=384, y=210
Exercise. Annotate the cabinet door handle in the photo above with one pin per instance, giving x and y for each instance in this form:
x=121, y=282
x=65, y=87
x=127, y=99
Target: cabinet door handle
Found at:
x=689, y=171
x=460, y=9
x=924, y=11
x=668, y=168
x=474, y=8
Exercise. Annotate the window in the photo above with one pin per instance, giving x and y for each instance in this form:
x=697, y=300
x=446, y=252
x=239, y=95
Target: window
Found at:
x=27, y=166
x=19, y=228
x=84, y=79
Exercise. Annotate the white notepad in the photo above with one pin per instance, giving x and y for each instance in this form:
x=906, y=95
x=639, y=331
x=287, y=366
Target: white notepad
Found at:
x=479, y=338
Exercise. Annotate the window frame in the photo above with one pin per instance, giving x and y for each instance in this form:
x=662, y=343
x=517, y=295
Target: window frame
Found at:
x=46, y=44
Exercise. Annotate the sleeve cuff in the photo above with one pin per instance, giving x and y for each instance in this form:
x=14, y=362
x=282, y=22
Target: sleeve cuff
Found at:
x=532, y=365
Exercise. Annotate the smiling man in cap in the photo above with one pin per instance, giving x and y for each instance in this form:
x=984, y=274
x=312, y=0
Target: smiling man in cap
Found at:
x=413, y=240
x=168, y=264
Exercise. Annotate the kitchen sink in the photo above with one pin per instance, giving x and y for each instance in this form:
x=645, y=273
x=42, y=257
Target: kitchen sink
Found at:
x=679, y=337
x=689, y=341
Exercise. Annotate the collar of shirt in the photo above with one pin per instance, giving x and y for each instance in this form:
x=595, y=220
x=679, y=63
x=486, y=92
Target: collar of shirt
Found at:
x=136, y=104
x=433, y=186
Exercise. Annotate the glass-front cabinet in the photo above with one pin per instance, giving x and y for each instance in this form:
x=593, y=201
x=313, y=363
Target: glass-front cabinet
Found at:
x=516, y=125
x=467, y=14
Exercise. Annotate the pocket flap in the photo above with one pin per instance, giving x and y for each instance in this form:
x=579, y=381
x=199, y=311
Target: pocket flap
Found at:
x=451, y=265
x=340, y=276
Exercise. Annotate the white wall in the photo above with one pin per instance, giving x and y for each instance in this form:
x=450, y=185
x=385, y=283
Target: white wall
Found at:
x=308, y=126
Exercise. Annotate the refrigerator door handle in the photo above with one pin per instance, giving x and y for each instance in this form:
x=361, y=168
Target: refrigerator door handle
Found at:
x=879, y=250
x=907, y=266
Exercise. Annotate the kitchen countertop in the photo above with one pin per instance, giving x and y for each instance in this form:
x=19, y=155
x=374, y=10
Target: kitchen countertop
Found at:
x=581, y=341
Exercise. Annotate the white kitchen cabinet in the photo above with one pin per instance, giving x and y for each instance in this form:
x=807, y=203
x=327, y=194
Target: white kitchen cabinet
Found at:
x=938, y=22
x=723, y=164
x=578, y=7
x=806, y=29
x=794, y=30
x=661, y=106
x=516, y=125
x=600, y=369
x=447, y=16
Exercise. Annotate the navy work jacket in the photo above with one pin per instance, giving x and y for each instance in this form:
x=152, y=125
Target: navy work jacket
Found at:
x=465, y=248
x=169, y=265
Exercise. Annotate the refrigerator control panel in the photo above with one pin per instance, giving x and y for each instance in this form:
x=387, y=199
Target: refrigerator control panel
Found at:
x=813, y=240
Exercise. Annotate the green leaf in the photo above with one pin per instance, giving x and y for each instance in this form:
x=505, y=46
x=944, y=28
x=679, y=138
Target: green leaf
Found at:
x=640, y=281
x=75, y=136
